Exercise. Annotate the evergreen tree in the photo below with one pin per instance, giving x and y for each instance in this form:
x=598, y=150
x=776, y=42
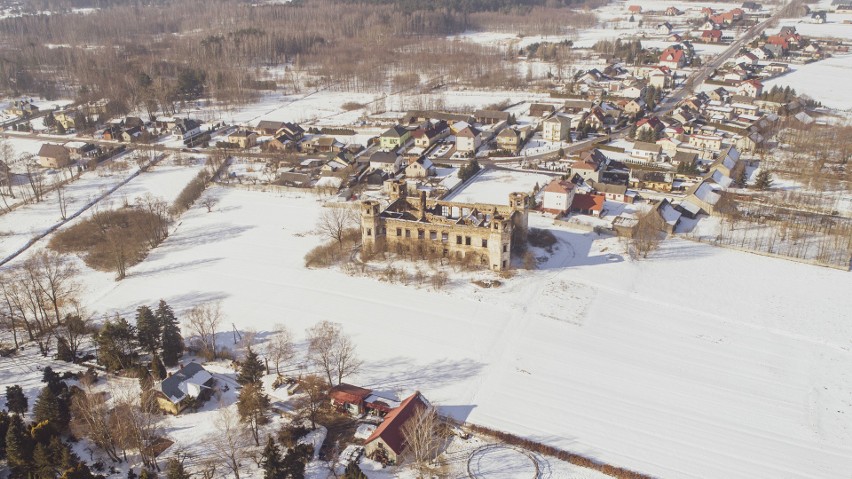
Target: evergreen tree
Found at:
x=251, y=406
x=158, y=370
x=4, y=428
x=631, y=132
x=116, y=344
x=63, y=351
x=175, y=470
x=19, y=446
x=46, y=407
x=16, y=402
x=251, y=370
x=742, y=179
x=272, y=462
x=78, y=471
x=44, y=464
x=763, y=181
x=53, y=381
x=172, y=342
x=49, y=120
x=60, y=128
x=147, y=329
x=353, y=471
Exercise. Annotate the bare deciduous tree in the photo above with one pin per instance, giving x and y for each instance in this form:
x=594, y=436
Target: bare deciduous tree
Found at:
x=231, y=442
x=333, y=352
x=422, y=438
x=209, y=202
x=35, y=178
x=648, y=233
x=314, y=398
x=92, y=419
x=204, y=321
x=334, y=222
x=280, y=348
x=62, y=200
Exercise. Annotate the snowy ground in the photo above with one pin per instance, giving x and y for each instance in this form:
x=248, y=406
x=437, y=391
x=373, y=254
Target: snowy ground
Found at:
x=165, y=181
x=493, y=186
x=702, y=362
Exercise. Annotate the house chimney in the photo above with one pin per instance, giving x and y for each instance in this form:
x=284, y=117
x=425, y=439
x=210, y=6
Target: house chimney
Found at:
x=422, y=206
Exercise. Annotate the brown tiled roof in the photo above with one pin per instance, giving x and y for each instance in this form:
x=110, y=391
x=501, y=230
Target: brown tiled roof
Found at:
x=347, y=393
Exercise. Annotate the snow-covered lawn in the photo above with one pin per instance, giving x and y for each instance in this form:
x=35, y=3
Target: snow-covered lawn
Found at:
x=701, y=362
x=493, y=186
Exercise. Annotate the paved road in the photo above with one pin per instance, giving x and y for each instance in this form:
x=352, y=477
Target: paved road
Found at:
x=704, y=72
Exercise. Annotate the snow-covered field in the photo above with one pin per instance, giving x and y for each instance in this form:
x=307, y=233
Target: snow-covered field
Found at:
x=17, y=227
x=819, y=80
x=700, y=362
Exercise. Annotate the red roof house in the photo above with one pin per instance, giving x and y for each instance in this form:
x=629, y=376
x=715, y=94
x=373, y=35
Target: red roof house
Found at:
x=711, y=36
x=387, y=442
x=634, y=9
x=588, y=204
x=672, y=58
x=349, y=397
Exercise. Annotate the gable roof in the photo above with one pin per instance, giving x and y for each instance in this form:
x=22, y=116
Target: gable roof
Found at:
x=51, y=150
x=347, y=393
x=395, y=131
x=174, y=386
x=390, y=430
x=586, y=202
x=559, y=186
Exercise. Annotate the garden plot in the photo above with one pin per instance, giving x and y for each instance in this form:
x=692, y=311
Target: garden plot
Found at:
x=666, y=371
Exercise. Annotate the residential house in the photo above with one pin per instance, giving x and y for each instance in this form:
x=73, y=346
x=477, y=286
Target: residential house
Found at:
x=420, y=168
x=760, y=53
x=818, y=17
x=634, y=107
x=349, y=398
x=243, y=139
x=587, y=169
x=468, y=140
x=577, y=106
x=746, y=58
x=634, y=9
x=588, y=204
x=556, y=128
x=664, y=28
x=672, y=58
x=51, y=155
x=776, y=68
x=387, y=443
x=752, y=6
x=558, y=196
x=186, y=129
x=752, y=88
x=651, y=180
x=705, y=142
x=652, y=124
x=684, y=158
x=711, y=36
x=540, y=110
x=669, y=214
x=841, y=5
x=135, y=134
x=23, y=108
x=508, y=139
x=610, y=191
x=660, y=78
x=394, y=137
x=645, y=151
x=706, y=11
x=491, y=117
x=710, y=25
x=189, y=385
x=673, y=12
x=321, y=144
x=386, y=161
x=701, y=197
